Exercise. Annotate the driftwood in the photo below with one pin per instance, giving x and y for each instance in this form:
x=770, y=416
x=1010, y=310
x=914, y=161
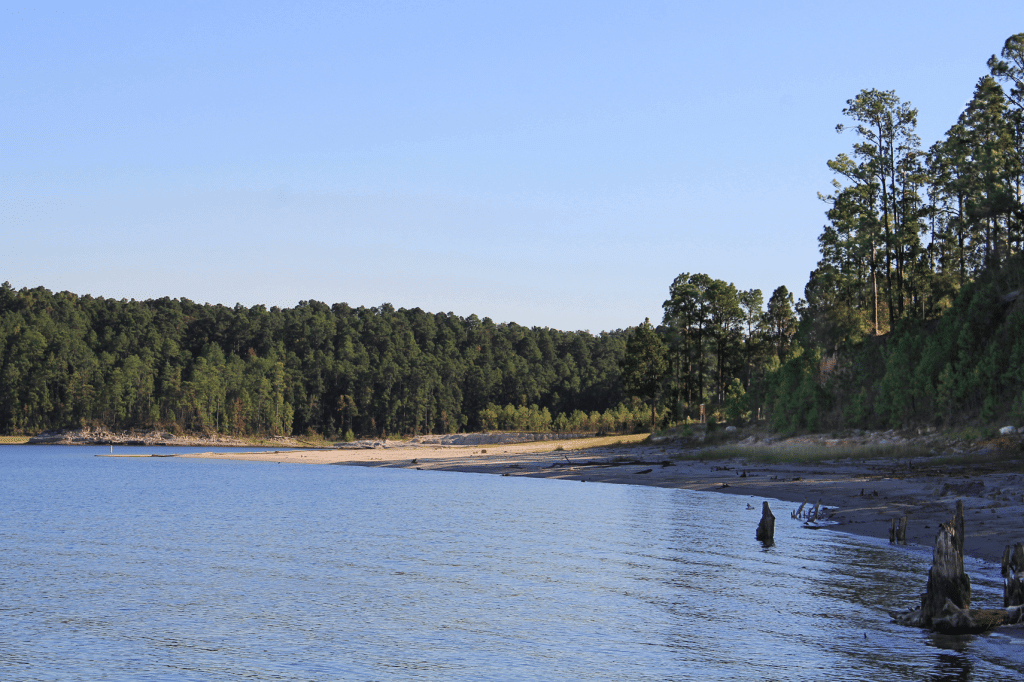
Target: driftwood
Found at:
x=1013, y=575
x=946, y=602
x=814, y=515
x=766, y=528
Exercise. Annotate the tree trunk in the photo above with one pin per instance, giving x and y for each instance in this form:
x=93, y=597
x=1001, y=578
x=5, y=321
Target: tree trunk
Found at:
x=874, y=283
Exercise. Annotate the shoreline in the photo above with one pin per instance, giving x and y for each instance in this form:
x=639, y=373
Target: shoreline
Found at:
x=993, y=495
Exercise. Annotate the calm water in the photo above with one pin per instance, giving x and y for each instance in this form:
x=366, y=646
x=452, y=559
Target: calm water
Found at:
x=175, y=569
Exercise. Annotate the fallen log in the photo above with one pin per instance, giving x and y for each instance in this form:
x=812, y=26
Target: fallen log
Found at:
x=766, y=528
x=953, y=620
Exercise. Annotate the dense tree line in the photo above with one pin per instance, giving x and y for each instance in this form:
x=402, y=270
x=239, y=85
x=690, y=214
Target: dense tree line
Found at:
x=69, y=361
x=909, y=227
x=910, y=315
x=721, y=342
x=623, y=418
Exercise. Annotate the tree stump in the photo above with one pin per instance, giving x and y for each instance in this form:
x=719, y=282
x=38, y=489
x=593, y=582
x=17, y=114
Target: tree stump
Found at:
x=898, y=531
x=946, y=603
x=1013, y=575
x=766, y=528
x=947, y=580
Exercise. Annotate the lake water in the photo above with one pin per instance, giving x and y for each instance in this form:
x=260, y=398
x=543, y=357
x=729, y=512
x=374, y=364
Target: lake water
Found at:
x=190, y=569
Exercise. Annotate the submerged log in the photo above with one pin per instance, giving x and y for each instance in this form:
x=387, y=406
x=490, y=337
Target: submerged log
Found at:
x=1013, y=575
x=946, y=602
x=957, y=621
x=799, y=512
x=766, y=528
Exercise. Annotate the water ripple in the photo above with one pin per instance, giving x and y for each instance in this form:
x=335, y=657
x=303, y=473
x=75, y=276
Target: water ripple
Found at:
x=156, y=569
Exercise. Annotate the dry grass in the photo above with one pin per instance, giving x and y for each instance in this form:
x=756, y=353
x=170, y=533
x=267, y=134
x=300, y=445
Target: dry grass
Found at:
x=314, y=441
x=806, y=453
x=13, y=440
x=997, y=457
x=600, y=442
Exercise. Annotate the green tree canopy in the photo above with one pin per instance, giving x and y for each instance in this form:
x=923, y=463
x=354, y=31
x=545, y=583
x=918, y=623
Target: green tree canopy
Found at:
x=644, y=365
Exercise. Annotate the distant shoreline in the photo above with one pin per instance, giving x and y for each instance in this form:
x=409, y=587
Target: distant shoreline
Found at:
x=993, y=496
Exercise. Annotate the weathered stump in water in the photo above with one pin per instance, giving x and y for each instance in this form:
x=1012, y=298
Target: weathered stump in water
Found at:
x=1013, y=575
x=946, y=603
x=898, y=531
x=766, y=528
x=947, y=579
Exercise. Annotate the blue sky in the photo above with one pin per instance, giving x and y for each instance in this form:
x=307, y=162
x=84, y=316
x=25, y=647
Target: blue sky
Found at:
x=549, y=163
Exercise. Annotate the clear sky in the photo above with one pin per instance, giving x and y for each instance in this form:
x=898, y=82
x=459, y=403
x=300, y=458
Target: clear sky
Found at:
x=549, y=163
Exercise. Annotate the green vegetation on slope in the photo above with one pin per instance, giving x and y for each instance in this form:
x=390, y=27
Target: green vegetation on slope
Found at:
x=910, y=316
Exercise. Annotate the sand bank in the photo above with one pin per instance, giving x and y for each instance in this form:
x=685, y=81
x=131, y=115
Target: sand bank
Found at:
x=866, y=494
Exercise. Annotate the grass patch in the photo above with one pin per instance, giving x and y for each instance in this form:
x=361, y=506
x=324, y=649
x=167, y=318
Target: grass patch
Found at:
x=975, y=433
x=807, y=453
x=13, y=440
x=680, y=431
x=600, y=442
x=968, y=458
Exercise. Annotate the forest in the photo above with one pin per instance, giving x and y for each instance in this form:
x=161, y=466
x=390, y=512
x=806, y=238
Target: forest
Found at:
x=912, y=316
x=69, y=361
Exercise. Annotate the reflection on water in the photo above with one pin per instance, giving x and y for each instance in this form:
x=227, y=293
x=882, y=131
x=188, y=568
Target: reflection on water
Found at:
x=189, y=569
x=953, y=668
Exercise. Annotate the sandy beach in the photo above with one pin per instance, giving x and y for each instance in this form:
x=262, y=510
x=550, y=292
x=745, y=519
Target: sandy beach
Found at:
x=864, y=494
